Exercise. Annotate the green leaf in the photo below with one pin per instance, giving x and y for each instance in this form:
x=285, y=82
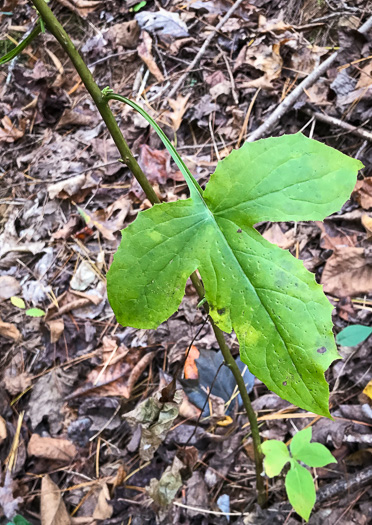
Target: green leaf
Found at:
x=276, y=456
x=312, y=454
x=19, y=520
x=35, y=312
x=300, y=489
x=18, y=302
x=138, y=6
x=353, y=335
x=280, y=315
x=21, y=46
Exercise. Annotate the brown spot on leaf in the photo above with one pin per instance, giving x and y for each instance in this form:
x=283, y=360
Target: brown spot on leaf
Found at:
x=322, y=350
x=284, y=383
x=239, y=231
x=221, y=311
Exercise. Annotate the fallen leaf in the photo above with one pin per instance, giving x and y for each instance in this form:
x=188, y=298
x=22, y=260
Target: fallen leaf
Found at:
x=10, y=331
x=365, y=79
x=68, y=188
x=164, y=490
x=3, y=430
x=100, y=219
x=15, y=384
x=174, y=118
x=155, y=419
x=162, y=22
x=144, y=52
x=9, y=133
x=332, y=237
x=125, y=34
x=51, y=448
x=367, y=222
x=368, y=390
x=348, y=272
x=363, y=192
x=52, y=508
x=190, y=369
x=83, y=277
x=68, y=229
x=56, y=328
x=9, y=286
x=156, y=165
x=8, y=504
x=262, y=58
x=117, y=379
x=103, y=510
x=275, y=235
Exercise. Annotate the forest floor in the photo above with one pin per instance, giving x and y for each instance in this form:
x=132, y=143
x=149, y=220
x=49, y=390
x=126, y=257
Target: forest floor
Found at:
x=67, y=453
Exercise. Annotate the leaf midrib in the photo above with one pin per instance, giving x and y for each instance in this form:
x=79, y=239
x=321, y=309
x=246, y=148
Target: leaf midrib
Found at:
x=219, y=230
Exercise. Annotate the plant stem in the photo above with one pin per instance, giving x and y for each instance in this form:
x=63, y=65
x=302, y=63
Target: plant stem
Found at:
x=127, y=157
x=231, y=363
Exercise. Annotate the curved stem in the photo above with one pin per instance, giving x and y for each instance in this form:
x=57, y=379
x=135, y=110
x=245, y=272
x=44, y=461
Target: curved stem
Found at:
x=127, y=157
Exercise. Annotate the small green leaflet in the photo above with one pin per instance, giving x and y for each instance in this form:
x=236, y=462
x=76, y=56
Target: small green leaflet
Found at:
x=312, y=454
x=18, y=302
x=138, y=6
x=276, y=456
x=353, y=335
x=35, y=312
x=300, y=489
x=299, y=483
x=280, y=315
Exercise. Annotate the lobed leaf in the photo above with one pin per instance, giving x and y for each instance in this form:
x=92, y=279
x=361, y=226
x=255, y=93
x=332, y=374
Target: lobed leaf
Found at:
x=280, y=315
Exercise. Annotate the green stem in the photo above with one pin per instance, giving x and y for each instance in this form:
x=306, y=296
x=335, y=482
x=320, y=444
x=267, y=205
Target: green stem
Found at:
x=127, y=157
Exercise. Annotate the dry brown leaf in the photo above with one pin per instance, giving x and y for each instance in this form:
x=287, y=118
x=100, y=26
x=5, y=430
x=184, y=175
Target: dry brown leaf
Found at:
x=117, y=379
x=17, y=383
x=174, y=117
x=103, y=510
x=332, y=237
x=9, y=133
x=125, y=34
x=348, y=272
x=156, y=165
x=275, y=235
x=81, y=7
x=365, y=78
x=3, y=430
x=367, y=222
x=363, y=193
x=263, y=58
x=76, y=187
x=51, y=448
x=10, y=331
x=52, y=509
x=9, y=286
x=144, y=52
x=56, y=328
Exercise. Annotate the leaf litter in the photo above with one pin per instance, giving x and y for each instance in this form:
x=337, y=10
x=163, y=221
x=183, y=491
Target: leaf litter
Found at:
x=63, y=372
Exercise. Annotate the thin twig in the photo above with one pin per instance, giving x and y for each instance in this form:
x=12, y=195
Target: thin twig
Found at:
x=332, y=121
x=204, y=47
x=289, y=101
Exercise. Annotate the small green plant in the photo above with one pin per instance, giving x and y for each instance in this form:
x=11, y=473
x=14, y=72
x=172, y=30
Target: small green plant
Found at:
x=31, y=312
x=353, y=335
x=19, y=520
x=299, y=482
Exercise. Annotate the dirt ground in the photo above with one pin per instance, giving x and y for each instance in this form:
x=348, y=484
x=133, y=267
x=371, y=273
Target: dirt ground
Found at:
x=68, y=377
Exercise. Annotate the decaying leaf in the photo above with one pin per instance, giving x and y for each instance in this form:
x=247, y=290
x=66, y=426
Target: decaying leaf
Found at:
x=10, y=331
x=83, y=277
x=103, y=510
x=164, y=490
x=162, y=22
x=53, y=510
x=56, y=328
x=348, y=272
x=58, y=449
x=9, y=286
x=156, y=165
x=155, y=419
x=144, y=52
x=9, y=132
x=68, y=188
x=363, y=193
x=174, y=117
